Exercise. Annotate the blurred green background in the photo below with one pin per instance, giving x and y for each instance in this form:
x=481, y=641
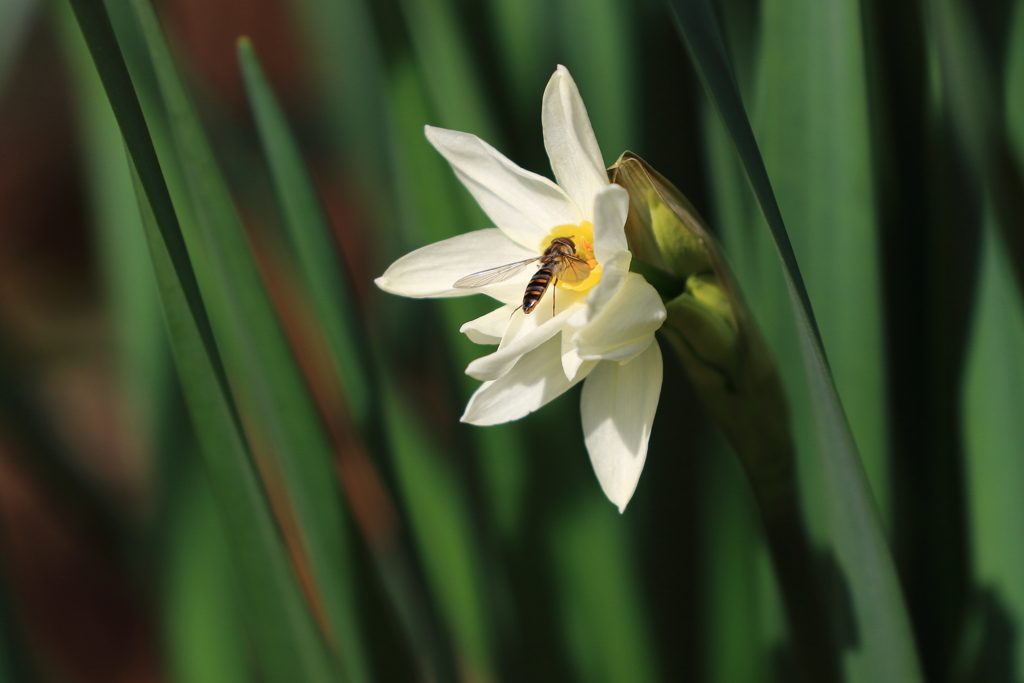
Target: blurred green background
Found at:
x=225, y=456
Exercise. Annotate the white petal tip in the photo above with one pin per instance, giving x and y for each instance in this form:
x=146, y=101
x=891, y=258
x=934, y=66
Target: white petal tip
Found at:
x=613, y=193
x=478, y=421
x=621, y=500
x=613, y=188
x=617, y=409
x=467, y=417
x=484, y=375
x=434, y=134
x=388, y=286
x=384, y=284
x=620, y=492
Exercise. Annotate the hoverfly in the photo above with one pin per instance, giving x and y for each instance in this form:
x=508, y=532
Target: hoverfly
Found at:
x=558, y=262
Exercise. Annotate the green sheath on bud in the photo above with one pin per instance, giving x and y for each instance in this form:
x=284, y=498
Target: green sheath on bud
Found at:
x=705, y=313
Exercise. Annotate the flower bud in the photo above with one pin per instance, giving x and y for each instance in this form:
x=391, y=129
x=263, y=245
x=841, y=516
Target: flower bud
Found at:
x=663, y=228
x=708, y=324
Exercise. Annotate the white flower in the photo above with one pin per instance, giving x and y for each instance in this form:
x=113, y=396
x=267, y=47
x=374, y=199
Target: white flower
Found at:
x=600, y=329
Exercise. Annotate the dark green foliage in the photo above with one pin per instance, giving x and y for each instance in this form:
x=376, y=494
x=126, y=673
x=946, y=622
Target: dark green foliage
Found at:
x=847, y=315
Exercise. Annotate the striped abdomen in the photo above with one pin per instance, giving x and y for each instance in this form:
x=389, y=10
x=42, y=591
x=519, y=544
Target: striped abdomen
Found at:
x=538, y=285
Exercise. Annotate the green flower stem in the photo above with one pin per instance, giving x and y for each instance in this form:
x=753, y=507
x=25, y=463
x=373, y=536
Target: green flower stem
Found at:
x=720, y=348
x=748, y=408
x=876, y=617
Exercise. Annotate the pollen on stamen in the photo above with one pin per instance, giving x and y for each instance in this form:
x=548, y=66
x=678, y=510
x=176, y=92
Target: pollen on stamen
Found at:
x=582, y=235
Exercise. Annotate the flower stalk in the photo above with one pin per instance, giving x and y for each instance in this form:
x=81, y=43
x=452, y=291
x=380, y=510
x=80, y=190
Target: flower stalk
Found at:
x=721, y=350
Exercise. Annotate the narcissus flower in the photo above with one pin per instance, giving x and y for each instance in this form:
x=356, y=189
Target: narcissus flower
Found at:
x=596, y=322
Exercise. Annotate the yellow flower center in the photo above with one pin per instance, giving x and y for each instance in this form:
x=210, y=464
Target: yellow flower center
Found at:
x=582, y=236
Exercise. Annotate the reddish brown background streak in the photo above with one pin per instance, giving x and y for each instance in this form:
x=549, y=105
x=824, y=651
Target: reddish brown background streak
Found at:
x=86, y=618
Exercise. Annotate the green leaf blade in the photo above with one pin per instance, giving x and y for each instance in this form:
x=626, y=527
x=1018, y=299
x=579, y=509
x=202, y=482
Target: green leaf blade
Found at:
x=273, y=400
x=449, y=71
x=886, y=649
x=812, y=121
x=203, y=626
x=993, y=403
x=286, y=640
x=307, y=226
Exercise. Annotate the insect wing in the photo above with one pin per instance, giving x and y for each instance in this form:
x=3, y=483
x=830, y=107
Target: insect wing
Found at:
x=572, y=269
x=492, y=275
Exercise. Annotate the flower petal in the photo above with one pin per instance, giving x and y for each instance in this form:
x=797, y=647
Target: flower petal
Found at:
x=571, y=360
x=625, y=326
x=570, y=142
x=524, y=205
x=610, y=208
x=618, y=405
x=536, y=379
x=489, y=328
x=611, y=205
x=526, y=332
x=613, y=275
x=432, y=270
